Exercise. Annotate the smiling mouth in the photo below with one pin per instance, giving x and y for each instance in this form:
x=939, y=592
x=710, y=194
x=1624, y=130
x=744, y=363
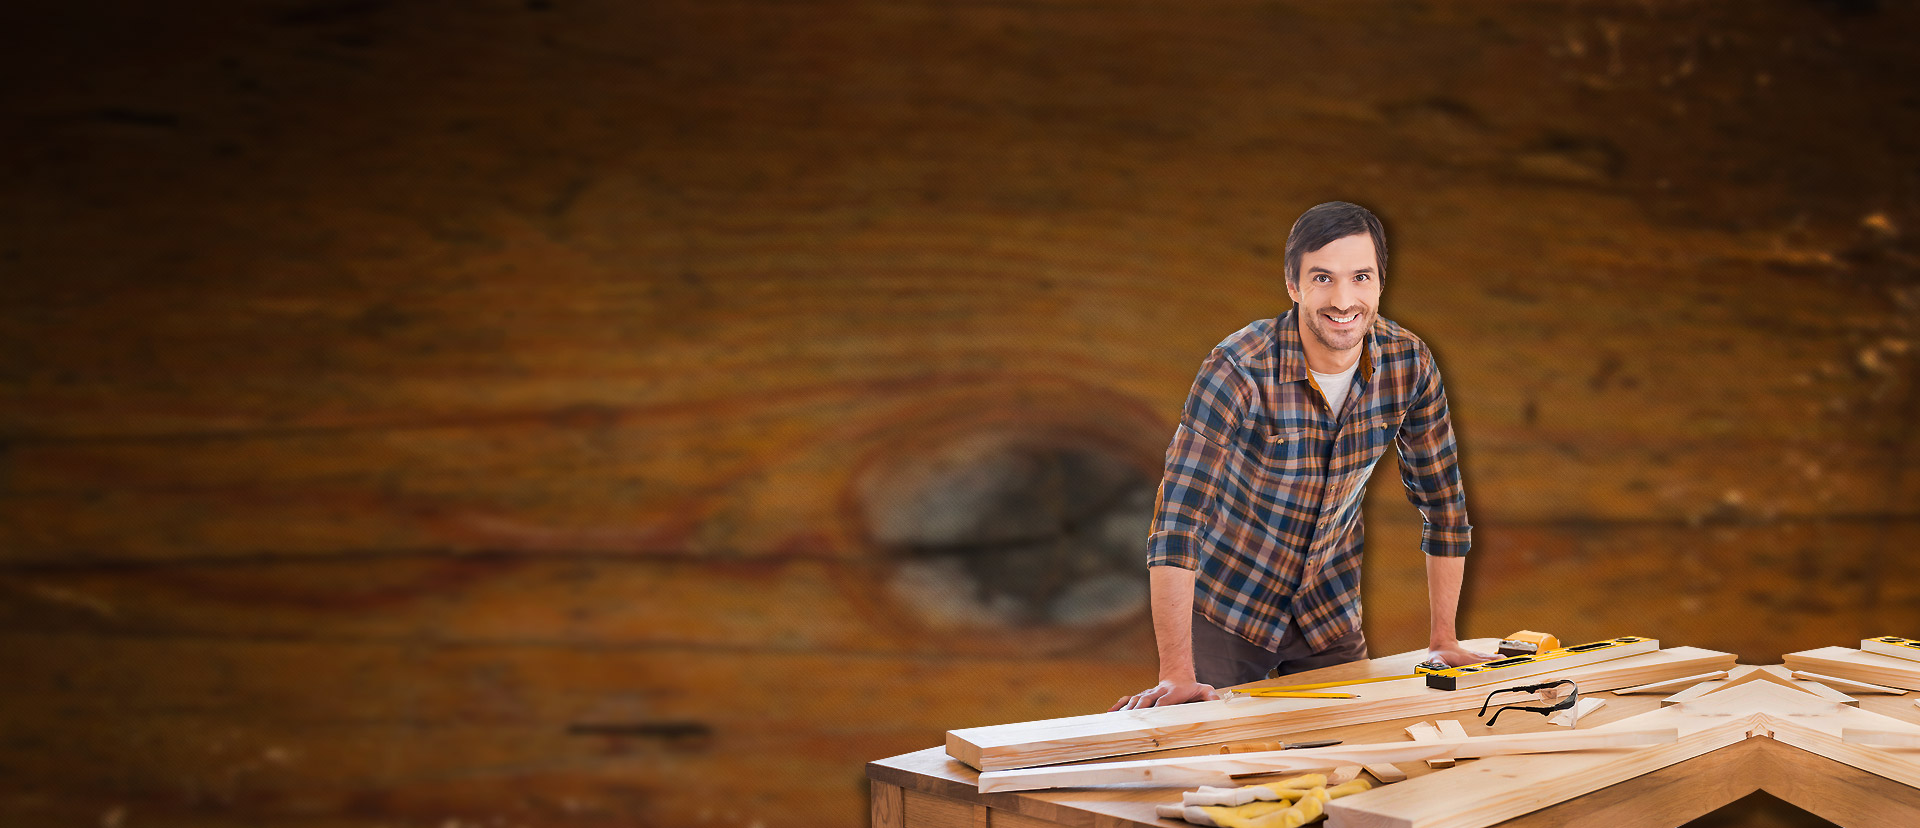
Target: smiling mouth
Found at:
x=1343, y=319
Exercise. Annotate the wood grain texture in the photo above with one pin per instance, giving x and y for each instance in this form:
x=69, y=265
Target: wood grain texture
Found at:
x=888, y=806
x=1671, y=685
x=1024, y=744
x=1847, y=685
x=1217, y=770
x=1428, y=732
x=1728, y=777
x=419, y=351
x=1851, y=664
x=1491, y=790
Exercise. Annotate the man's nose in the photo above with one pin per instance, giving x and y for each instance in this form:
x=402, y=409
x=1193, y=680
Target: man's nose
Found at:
x=1343, y=294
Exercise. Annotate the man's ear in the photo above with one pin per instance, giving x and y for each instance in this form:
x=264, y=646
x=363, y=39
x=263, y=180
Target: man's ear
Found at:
x=1293, y=290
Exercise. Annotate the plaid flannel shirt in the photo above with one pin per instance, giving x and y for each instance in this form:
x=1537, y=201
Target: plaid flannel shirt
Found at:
x=1262, y=490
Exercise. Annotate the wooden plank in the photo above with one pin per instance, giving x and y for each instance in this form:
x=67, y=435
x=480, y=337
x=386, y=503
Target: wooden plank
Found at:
x=1848, y=663
x=1670, y=685
x=1891, y=646
x=1880, y=738
x=1093, y=736
x=1386, y=773
x=1822, y=728
x=1831, y=790
x=1428, y=732
x=1671, y=796
x=1448, y=729
x=1694, y=692
x=1848, y=685
x=1494, y=789
x=1218, y=769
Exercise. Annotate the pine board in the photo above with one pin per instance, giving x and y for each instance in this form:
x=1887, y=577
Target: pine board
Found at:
x=1094, y=736
x=1820, y=728
x=1218, y=769
x=1876, y=646
x=1848, y=663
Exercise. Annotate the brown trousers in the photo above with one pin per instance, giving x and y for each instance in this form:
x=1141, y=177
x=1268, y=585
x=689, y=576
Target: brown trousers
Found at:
x=1223, y=659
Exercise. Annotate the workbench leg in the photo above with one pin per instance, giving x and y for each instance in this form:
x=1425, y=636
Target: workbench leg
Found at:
x=889, y=806
x=981, y=814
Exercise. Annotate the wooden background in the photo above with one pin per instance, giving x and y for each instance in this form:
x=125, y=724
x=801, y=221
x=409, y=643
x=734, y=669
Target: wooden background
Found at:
x=556, y=413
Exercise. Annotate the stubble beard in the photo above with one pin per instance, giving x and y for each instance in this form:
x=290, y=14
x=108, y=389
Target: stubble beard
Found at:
x=1331, y=340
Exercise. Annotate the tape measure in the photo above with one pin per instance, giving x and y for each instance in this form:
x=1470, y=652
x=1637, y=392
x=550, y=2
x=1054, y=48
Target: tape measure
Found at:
x=1453, y=678
x=1528, y=642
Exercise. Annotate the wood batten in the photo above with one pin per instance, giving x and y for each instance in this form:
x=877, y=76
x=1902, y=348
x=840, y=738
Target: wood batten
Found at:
x=1856, y=665
x=1219, y=769
x=1100, y=735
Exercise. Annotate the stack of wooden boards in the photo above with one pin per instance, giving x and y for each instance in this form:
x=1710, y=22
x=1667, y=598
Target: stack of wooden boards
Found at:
x=1024, y=745
x=1719, y=705
x=1886, y=662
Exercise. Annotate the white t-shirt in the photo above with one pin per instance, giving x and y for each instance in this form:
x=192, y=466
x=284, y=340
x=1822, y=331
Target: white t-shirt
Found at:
x=1335, y=386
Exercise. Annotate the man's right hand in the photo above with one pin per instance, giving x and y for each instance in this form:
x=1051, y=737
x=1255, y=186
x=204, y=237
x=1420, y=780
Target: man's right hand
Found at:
x=1166, y=693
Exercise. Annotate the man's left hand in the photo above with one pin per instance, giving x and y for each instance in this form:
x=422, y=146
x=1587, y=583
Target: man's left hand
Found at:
x=1454, y=655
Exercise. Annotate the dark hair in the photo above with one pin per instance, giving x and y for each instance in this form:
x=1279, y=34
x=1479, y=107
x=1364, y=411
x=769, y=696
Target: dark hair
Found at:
x=1328, y=223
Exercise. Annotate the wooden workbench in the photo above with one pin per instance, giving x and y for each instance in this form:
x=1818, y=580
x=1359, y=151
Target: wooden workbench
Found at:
x=928, y=789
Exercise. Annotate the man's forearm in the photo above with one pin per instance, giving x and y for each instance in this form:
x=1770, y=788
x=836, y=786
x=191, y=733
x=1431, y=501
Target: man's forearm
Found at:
x=1170, y=592
x=1444, y=576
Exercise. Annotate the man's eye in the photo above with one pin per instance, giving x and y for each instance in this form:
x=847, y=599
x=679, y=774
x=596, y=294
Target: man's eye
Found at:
x=1361, y=277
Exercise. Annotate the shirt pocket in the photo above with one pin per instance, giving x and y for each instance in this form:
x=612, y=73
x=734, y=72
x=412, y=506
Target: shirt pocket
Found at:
x=1371, y=437
x=1288, y=453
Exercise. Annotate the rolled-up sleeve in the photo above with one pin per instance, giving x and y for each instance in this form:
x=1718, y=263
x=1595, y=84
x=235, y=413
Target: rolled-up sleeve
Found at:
x=1430, y=466
x=1200, y=449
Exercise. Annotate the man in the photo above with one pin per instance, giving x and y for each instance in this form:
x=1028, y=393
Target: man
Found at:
x=1254, y=559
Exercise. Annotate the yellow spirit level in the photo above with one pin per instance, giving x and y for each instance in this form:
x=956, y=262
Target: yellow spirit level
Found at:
x=1506, y=669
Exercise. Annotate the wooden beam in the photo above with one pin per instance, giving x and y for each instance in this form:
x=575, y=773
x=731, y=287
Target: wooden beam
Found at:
x=1218, y=769
x=1099, y=735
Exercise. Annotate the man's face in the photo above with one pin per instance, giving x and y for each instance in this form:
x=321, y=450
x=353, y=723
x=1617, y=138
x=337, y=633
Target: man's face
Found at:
x=1339, y=291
